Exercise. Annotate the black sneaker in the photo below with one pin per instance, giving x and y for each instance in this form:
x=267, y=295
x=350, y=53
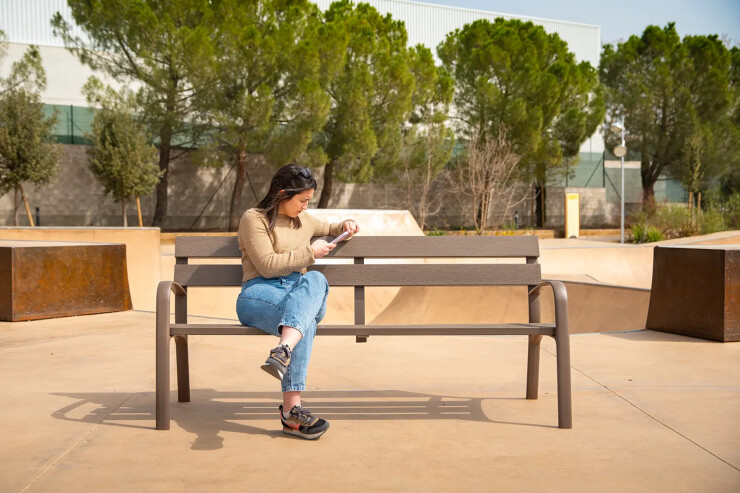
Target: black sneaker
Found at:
x=278, y=361
x=302, y=423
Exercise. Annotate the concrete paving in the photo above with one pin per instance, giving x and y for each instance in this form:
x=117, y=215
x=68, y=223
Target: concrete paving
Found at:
x=652, y=412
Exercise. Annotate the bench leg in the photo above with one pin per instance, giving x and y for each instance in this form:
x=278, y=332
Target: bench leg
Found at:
x=562, y=347
x=162, y=412
x=183, y=369
x=533, y=366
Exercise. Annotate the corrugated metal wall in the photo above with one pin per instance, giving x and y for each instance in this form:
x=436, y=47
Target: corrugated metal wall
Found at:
x=28, y=22
x=429, y=24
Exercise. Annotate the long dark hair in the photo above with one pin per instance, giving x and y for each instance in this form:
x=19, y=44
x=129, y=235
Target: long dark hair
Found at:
x=292, y=179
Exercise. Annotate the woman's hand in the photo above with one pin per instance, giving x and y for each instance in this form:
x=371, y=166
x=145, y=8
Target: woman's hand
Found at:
x=321, y=248
x=352, y=228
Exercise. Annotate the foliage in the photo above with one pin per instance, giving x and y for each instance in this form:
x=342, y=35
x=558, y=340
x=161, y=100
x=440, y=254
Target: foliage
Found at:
x=514, y=74
x=370, y=96
x=732, y=211
x=271, y=72
x=428, y=142
x=712, y=221
x=27, y=73
x=678, y=221
x=645, y=234
x=122, y=157
x=676, y=100
x=488, y=172
x=724, y=210
x=27, y=149
x=163, y=46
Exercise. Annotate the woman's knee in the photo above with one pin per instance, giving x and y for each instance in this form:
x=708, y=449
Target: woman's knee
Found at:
x=317, y=279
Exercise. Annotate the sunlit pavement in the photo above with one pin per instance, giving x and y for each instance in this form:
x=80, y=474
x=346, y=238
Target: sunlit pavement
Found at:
x=652, y=412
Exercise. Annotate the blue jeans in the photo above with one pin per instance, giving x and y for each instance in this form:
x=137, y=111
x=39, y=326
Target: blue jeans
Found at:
x=294, y=300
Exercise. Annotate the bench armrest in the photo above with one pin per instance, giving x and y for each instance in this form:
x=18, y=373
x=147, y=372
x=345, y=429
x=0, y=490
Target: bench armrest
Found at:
x=561, y=302
x=163, y=301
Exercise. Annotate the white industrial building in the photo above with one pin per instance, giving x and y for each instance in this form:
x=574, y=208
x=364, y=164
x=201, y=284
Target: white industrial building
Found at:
x=27, y=22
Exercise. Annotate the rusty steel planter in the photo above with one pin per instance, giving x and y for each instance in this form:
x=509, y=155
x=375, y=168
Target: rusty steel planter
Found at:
x=696, y=291
x=46, y=279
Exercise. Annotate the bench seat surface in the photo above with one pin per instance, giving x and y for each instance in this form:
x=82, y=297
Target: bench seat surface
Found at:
x=378, y=330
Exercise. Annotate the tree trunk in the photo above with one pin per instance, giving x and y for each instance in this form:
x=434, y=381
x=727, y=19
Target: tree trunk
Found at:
x=648, y=197
x=533, y=206
x=123, y=212
x=236, y=194
x=539, y=201
x=16, y=204
x=326, y=190
x=649, y=173
x=478, y=219
x=485, y=208
x=165, y=137
x=543, y=192
x=25, y=203
x=138, y=210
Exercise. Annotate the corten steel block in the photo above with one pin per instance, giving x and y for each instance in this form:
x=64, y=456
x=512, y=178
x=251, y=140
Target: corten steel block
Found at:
x=57, y=281
x=696, y=291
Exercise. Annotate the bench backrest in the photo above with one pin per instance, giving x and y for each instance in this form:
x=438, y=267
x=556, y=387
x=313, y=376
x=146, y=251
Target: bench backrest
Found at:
x=361, y=248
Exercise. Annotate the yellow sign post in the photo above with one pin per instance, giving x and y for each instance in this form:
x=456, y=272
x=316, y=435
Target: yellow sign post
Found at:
x=572, y=215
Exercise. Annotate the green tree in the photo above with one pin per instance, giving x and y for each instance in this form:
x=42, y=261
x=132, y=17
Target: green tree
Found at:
x=28, y=153
x=161, y=45
x=27, y=73
x=274, y=64
x=122, y=156
x=675, y=98
x=27, y=149
x=514, y=75
x=428, y=141
x=370, y=97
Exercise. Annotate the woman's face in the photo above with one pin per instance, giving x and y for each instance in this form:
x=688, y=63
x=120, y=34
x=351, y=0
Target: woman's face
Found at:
x=296, y=204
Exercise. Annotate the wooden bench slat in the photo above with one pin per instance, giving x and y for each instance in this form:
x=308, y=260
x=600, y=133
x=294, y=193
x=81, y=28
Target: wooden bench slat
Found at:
x=380, y=274
x=207, y=246
x=381, y=247
x=377, y=330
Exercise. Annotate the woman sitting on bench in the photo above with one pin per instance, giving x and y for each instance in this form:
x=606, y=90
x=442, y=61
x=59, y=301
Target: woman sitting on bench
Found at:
x=278, y=296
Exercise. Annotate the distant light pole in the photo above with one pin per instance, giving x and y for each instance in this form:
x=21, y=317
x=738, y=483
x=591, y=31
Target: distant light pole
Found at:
x=620, y=151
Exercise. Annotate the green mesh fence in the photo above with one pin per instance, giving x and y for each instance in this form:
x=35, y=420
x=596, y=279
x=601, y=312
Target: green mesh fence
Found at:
x=73, y=122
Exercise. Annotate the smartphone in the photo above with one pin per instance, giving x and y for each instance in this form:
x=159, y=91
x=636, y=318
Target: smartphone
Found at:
x=339, y=238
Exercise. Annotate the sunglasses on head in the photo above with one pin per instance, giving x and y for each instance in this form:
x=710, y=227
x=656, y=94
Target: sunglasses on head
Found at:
x=305, y=173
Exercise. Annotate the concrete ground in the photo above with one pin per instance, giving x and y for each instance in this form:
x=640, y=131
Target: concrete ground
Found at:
x=652, y=412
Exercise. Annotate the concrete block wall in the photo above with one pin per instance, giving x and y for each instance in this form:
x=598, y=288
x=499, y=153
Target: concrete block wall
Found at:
x=594, y=210
x=199, y=198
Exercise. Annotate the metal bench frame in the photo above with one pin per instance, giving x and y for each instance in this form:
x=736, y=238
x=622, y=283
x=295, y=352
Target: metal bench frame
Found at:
x=359, y=275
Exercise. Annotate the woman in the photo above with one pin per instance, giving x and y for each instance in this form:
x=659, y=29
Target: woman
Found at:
x=278, y=296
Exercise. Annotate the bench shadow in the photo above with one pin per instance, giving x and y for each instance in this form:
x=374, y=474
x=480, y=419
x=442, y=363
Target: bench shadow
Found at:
x=648, y=335
x=211, y=412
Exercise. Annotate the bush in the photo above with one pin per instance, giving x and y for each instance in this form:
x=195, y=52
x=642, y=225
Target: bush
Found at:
x=642, y=233
x=674, y=221
x=732, y=211
x=711, y=221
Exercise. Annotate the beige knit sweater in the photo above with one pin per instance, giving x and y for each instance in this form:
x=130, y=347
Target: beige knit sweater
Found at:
x=284, y=249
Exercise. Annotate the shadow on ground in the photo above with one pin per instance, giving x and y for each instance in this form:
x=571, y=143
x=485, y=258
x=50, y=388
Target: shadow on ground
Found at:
x=211, y=412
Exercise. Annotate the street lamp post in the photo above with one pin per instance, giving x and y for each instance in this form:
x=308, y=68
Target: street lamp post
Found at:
x=620, y=151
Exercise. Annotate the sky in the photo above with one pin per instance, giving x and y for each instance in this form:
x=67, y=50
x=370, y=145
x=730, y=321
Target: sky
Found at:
x=621, y=19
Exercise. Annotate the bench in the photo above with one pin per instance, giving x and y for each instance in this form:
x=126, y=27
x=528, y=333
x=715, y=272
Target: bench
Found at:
x=359, y=275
